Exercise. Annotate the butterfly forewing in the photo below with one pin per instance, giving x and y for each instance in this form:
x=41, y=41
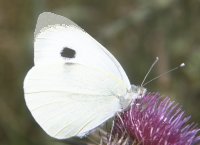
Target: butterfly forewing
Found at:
x=53, y=37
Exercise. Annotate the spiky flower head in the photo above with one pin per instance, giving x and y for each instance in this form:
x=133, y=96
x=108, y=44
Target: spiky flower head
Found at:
x=153, y=120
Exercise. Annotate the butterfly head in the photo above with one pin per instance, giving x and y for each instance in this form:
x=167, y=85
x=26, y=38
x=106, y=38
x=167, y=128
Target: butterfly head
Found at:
x=136, y=92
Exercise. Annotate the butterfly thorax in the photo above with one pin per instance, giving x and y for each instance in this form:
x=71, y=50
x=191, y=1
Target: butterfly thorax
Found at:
x=134, y=93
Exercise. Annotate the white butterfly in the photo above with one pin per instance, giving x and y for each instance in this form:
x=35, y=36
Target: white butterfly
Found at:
x=75, y=84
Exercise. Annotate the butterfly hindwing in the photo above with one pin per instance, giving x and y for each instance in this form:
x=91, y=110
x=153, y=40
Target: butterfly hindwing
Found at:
x=71, y=100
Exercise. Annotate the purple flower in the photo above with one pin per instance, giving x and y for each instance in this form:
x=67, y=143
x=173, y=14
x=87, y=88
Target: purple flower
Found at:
x=153, y=120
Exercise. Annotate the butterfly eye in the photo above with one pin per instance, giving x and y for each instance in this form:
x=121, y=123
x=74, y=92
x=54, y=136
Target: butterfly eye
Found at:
x=68, y=53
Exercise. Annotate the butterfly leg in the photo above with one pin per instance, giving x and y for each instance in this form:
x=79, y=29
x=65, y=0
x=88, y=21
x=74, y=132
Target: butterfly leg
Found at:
x=110, y=137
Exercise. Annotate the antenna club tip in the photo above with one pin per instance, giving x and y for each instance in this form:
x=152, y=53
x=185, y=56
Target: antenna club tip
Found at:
x=157, y=58
x=182, y=64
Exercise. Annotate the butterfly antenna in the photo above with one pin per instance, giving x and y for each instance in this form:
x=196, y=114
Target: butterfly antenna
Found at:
x=180, y=66
x=149, y=70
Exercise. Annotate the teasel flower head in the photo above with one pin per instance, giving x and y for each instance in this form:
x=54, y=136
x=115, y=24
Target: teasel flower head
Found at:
x=153, y=120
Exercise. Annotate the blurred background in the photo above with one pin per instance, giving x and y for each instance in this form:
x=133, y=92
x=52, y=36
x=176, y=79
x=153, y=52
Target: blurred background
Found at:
x=134, y=31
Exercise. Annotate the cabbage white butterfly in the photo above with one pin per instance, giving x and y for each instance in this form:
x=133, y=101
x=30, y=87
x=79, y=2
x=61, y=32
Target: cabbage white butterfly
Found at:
x=75, y=84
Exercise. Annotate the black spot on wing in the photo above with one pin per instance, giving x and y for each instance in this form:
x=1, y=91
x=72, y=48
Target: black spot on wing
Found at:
x=68, y=53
